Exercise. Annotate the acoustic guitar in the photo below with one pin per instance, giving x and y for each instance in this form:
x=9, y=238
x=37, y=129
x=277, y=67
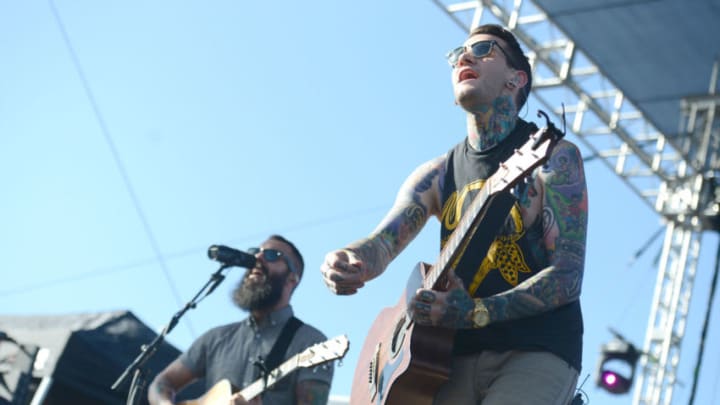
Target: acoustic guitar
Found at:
x=221, y=392
x=405, y=363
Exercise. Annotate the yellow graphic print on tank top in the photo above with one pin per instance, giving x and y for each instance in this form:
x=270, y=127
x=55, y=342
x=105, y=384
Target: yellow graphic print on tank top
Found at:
x=504, y=254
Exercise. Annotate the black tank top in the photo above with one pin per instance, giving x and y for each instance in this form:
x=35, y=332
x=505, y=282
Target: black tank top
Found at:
x=509, y=260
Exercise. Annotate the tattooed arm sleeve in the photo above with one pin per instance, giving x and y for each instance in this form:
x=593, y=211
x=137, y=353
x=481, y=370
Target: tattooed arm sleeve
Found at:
x=417, y=200
x=564, y=217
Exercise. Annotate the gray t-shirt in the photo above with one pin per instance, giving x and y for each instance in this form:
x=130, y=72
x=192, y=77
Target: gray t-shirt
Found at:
x=230, y=351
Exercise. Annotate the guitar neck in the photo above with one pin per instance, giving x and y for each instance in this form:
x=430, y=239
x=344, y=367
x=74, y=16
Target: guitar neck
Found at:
x=260, y=385
x=455, y=244
x=532, y=154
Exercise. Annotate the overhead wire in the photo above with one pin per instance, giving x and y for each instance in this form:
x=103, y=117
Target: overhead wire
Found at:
x=102, y=272
x=117, y=159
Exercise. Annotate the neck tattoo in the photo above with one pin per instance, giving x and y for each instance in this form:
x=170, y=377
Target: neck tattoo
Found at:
x=491, y=124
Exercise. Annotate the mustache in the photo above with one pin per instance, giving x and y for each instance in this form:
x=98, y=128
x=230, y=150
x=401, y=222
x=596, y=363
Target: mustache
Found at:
x=258, y=266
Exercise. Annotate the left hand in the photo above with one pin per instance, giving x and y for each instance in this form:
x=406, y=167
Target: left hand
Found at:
x=239, y=400
x=449, y=309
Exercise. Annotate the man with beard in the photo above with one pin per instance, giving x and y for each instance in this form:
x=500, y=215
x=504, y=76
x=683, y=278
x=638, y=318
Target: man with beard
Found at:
x=234, y=351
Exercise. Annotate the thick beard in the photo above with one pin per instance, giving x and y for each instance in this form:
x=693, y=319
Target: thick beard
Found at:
x=252, y=296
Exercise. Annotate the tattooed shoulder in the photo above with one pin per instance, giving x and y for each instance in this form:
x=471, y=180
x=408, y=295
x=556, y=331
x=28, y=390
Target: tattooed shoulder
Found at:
x=425, y=184
x=565, y=164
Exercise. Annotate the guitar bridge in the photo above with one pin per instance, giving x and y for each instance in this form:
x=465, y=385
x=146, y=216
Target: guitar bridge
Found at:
x=373, y=372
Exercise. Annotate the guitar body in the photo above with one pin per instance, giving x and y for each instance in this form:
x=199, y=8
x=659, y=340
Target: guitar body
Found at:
x=221, y=392
x=401, y=362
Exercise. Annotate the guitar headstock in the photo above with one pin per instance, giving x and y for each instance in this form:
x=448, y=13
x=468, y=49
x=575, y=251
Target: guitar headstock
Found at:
x=529, y=156
x=331, y=349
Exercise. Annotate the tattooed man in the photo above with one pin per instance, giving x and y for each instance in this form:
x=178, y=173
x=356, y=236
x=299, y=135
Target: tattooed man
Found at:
x=232, y=351
x=516, y=308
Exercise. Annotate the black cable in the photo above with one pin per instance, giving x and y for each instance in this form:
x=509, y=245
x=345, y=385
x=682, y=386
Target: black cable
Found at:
x=116, y=157
x=644, y=247
x=703, y=335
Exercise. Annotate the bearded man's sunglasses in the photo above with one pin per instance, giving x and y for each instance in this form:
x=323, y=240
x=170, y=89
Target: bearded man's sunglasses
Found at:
x=272, y=255
x=478, y=49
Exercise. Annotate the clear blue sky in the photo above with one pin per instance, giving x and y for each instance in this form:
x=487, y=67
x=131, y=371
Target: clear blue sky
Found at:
x=156, y=129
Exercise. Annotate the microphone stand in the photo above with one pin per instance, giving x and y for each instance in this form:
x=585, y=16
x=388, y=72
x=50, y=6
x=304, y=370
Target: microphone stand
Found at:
x=138, y=383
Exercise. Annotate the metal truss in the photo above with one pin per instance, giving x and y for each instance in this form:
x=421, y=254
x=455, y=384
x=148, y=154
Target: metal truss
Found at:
x=690, y=203
x=668, y=315
x=675, y=174
x=608, y=124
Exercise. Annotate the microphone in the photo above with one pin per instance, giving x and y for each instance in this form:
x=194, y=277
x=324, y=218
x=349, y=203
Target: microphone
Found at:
x=231, y=257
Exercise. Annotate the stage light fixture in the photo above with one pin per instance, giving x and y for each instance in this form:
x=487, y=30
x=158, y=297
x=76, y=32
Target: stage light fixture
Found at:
x=616, y=367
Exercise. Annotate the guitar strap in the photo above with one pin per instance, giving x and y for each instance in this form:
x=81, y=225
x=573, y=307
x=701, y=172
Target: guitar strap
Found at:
x=274, y=358
x=469, y=166
x=491, y=222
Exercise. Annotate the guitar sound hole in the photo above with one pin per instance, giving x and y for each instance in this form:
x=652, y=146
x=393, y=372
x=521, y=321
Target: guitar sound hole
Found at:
x=398, y=336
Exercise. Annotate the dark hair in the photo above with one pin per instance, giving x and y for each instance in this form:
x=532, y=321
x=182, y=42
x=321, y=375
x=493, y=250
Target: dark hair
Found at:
x=295, y=251
x=517, y=59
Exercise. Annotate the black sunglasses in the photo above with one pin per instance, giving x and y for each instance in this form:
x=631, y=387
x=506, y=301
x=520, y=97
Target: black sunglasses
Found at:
x=272, y=255
x=479, y=49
